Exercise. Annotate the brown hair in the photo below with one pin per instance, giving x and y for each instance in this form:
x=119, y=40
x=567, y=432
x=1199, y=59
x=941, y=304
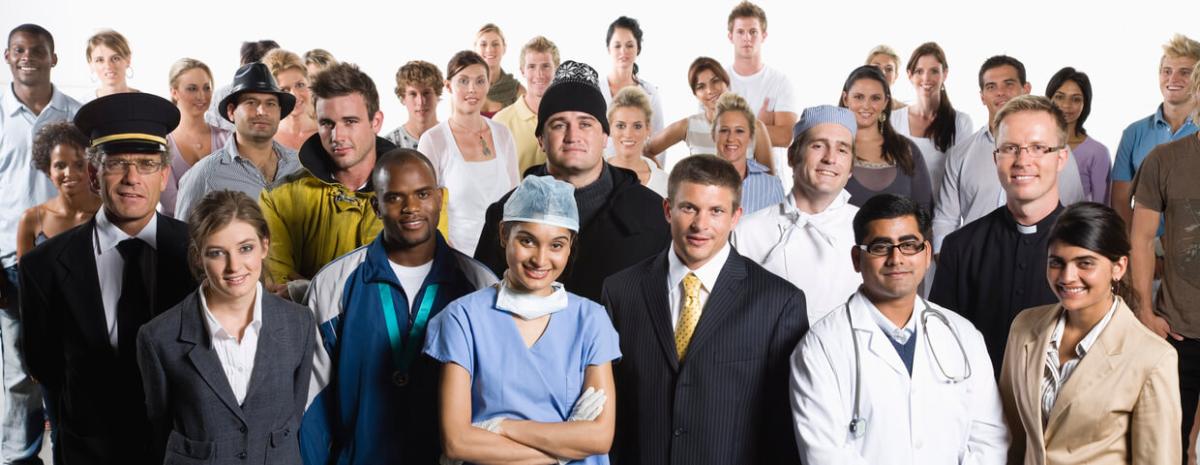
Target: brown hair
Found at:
x=111, y=39
x=419, y=73
x=462, y=60
x=344, y=79
x=279, y=60
x=491, y=27
x=942, y=129
x=540, y=44
x=53, y=135
x=706, y=63
x=215, y=211
x=705, y=170
x=184, y=65
x=748, y=10
x=1034, y=103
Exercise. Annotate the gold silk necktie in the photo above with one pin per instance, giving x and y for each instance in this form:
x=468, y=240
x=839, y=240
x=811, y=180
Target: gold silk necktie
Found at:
x=689, y=316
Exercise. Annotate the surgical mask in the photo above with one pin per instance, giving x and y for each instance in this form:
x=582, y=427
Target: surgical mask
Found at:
x=529, y=306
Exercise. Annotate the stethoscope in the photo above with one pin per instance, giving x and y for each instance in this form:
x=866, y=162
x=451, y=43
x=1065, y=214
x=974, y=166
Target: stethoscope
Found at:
x=857, y=423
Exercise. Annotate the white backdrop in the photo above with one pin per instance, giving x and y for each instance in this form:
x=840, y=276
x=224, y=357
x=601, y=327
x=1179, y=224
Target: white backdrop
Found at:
x=815, y=43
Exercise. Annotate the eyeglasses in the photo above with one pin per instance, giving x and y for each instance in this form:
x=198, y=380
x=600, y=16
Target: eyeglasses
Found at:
x=1035, y=150
x=144, y=166
x=884, y=249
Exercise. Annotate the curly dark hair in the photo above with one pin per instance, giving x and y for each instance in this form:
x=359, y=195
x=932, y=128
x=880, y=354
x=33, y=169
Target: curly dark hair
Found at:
x=53, y=135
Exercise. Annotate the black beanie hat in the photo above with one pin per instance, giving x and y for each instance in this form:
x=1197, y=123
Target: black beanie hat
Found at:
x=575, y=88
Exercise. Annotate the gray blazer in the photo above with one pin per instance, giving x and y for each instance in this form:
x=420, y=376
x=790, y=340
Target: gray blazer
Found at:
x=192, y=410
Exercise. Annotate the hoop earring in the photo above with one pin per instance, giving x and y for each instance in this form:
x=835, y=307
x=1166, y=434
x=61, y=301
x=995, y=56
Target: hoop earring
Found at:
x=882, y=117
x=129, y=72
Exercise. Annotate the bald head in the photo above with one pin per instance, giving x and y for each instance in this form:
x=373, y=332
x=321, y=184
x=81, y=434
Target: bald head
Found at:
x=397, y=158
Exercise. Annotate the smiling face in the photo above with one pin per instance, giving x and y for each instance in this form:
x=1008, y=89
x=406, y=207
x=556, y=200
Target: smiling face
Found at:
x=30, y=59
x=409, y=203
x=701, y=217
x=1173, y=76
x=469, y=88
x=296, y=83
x=732, y=133
x=708, y=88
x=1029, y=176
x=491, y=47
x=1069, y=99
x=895, y=275
x=256, y=116
x=927, y=76
x=630, y=130
x=825, y=161
x=192, y=92
x=108, y=66
x=866, y=100
x=538, y=72
x=347, y=131
x=887, y=64
x=574, y=143
x=536, y=254
x=129, y=195
x=623, y=48
x=68, y=169
x=232, y=258
x=747, y=36
x=1001, y=84
x=1082, y=279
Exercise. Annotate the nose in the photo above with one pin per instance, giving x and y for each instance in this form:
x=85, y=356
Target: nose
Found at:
x=1069, y=274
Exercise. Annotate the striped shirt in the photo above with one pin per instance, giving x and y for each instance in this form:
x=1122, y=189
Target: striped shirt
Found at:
x=237, y=357
x=1054, y=377
x=760, y=189
x=226, y=169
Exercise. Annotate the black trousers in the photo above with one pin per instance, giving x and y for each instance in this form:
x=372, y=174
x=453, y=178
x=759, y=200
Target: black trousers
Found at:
x=1189, y=385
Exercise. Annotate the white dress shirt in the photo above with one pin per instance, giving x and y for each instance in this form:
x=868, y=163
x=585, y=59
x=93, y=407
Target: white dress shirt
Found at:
x=110, y=266
x=707, y=273
x=237, y=357
x=811, y=251
x=1054, y=376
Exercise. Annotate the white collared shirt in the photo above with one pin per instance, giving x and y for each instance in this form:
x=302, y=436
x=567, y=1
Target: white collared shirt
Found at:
x=237, y=357
x=1053, y=376
x=812, y=252
x=707, y=273
x=895, y=333
x=110, y=266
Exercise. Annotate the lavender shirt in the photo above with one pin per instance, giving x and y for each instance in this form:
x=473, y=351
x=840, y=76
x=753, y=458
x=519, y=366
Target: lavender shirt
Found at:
x=179, y=166
x=1094, y=163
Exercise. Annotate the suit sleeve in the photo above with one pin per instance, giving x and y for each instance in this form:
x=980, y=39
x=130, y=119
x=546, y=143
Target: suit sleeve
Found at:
x=488, y=251
x=988, y=439
x=792, y=325
x=1154, y=428
x=944, y=291
x=1010, y=376
x=303, y=373
x=154, y=384
x=280, y=262
x=40, y=343
x=816, y=400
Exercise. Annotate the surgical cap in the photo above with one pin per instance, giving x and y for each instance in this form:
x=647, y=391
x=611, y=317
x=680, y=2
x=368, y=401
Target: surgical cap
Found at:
x=822, y=114
x=545, y=200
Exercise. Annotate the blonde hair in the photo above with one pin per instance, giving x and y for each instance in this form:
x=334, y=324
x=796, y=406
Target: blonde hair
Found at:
x=320, y=57
x=1034, y=103
x=540, y=44
x=279, y=60
x=734, y=102
x=111, y=39
x=184, y=65
x=883, y=50
x=748, y=10
x=1194, y=88
x=1181, y=46
x=490, y=27
x=631, y=97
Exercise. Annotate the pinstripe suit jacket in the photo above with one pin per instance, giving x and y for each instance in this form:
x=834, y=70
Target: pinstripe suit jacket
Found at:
x=192, y=410
x=727, y=402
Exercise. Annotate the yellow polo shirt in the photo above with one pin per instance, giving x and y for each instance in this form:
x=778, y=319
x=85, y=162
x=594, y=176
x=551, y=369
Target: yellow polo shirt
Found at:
x=522, y=122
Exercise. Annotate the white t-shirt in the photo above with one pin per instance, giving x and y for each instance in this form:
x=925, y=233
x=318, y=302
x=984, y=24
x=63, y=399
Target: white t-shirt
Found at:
x=767, y=83
x=411, y=278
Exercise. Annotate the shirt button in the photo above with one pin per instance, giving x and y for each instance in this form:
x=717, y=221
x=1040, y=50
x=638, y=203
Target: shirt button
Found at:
x=242, y=455
x=242, y=429
x=1021, y=266
x=678, y=432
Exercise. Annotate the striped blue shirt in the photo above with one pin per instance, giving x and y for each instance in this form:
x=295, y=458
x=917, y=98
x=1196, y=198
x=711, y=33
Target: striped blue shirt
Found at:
x=760, y=189
x=226, y=169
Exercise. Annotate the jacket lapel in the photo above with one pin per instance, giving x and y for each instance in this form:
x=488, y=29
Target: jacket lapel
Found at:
x=1035, y=368
x=78, y=260
x=1095, y=368
x=877, y=342
x=202, y=356
x=658, y=307
x=722, y=301
x=271, y=344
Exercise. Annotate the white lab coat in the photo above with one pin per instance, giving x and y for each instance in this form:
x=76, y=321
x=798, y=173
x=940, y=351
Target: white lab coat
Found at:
x=810, y=251
x=921, y=420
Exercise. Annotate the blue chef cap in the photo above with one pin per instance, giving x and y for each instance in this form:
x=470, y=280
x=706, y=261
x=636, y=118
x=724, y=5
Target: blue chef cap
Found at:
x=545, y=200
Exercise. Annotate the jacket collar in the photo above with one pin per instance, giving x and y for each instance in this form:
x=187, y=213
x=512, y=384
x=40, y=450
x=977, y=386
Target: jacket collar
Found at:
x=316, y=160
x=378, y=269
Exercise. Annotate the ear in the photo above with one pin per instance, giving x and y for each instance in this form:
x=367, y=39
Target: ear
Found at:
x=229, y=110
x=377, y=121
x=93, y=178
x=1062, y=159
x=855, y=254
x=845, y=99
x=764, y=34
x=165, y=172
x=667, y=209
x=1028, y=88
x=1119, y=268
x=266, y=246
x=53, y=59
x=730, y=35
x=737, y=216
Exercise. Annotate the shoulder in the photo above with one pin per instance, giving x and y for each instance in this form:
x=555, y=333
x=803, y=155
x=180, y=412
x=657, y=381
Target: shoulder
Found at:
x=173, y=228
x=635, y=274
x=507, y=114
x=336, y=271
x=1135, y=128
x=755, y=222
x=43, y=255
x=482, y=300
x=294, y=313
x=296, y=183
x=1027, y=320
x=167, y=323
x=765, y=280
x=979, y=226
x=478, y=274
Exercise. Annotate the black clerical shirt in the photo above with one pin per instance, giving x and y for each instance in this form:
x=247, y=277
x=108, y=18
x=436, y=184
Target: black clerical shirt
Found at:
x=990, y=270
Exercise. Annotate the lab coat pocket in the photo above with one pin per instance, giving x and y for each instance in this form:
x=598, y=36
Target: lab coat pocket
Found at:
x=184, y=451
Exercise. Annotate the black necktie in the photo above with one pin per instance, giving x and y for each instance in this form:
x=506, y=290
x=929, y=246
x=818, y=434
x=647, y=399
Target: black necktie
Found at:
x=133, y=308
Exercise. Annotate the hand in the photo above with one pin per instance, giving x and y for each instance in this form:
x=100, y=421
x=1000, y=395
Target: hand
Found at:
x=491, y=425
x=589, y=405
x=766, y=116
x=1159, y=325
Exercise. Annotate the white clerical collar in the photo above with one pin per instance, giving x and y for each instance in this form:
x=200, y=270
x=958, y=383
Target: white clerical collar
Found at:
x=708, y=273
x=1026, y=229
x=109, y=235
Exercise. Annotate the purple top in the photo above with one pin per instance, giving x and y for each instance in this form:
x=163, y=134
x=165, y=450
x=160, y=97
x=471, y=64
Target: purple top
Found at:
x=166, y=201
x=1094, y=164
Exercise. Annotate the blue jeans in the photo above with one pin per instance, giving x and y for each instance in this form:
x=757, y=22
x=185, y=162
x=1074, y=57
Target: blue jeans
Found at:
x=23, y=420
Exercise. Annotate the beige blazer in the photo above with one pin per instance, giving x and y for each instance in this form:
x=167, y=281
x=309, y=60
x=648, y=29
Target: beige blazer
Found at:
x=1120, y=406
